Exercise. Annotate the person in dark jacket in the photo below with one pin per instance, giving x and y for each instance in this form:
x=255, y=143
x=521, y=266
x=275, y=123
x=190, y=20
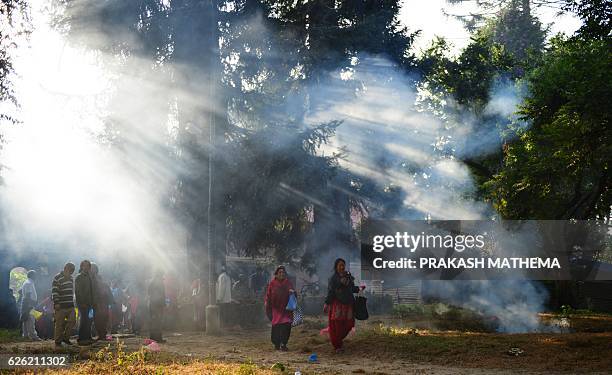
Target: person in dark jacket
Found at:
x=157, y=302
x=103, y=297
x=84, y=295
x=12, y=316
x=62, y=293
x=339, y=304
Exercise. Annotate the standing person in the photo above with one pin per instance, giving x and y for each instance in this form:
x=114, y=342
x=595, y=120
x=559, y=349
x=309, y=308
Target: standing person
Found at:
x=339, y=304
x=277, y=297
x=224, y=287
x=102, y=299
x=62, y=293
x=12, y=319
x=135, y=308
x=44, y=324
x=259, y=284
x=117, y=305
x=240, y=289
x=28, y=301
x=84, y=295
x=196, y=299
x=157, y=302
x=172, y=292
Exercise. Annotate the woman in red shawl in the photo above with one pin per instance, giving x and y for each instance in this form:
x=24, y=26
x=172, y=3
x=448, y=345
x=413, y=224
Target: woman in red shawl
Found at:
x=277, y=297
x=339, y=304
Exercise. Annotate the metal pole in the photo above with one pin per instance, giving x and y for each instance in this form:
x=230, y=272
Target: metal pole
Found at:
x=210, y=213
x=213, y=322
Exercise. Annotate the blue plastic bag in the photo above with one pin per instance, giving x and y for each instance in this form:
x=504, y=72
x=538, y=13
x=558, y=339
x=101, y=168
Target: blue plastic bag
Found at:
x=292, y=304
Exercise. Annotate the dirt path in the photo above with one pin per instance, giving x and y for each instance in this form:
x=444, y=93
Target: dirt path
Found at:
x=372, y=351
x=236, y=347
x=239, y=346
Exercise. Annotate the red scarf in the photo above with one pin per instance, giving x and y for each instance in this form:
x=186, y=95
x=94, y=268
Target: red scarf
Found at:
x=277, y=296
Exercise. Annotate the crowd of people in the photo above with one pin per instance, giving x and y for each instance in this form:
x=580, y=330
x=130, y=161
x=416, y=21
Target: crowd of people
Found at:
x=95, y=308
x=90, y=306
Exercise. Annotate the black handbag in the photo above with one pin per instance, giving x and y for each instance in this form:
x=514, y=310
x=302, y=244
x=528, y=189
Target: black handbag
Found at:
x=361, y=308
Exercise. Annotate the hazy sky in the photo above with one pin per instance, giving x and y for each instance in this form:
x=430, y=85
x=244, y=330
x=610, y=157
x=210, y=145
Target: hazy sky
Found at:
x=427, y=15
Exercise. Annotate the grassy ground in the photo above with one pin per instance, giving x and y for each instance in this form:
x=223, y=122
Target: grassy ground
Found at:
x=10, y=335
x=535, y=352
x=154, y=367
x=116, y=358
x=381, y=345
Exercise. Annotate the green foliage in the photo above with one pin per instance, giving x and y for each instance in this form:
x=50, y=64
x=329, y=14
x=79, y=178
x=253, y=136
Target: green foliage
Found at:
x=270, y=168
x=478, y=65
x=467, y=79
x=120, y=359
x=14, y=18
x=487, y=9
x=332, y=31
x=566, y=310
x=518, y=31
x=276, y=183
x=10, y=335
x=270, y=180
x=596, y=16
x=506, y=45
x=17, y=278
x=560, y=167
x=407, y=311
x=457, y=91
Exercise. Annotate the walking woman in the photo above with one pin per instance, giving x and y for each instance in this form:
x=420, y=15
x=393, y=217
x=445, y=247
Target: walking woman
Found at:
x=277, y=297
x=339, y=304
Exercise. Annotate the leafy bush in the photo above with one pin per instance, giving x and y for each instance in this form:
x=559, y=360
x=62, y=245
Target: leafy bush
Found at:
x=408, y=311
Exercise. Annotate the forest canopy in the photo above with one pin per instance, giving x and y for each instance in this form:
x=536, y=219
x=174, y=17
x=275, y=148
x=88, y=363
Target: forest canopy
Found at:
x=278, y=108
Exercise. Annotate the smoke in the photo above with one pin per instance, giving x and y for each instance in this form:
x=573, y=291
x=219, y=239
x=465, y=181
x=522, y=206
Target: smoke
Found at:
x=479, y=136
x=389, y=138
x=514, y=303
x=67, y=188
x=95, y=163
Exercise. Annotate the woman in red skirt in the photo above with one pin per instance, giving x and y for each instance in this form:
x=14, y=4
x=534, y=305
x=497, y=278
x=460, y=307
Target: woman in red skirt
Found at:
x=277, y=297
x=339, y=304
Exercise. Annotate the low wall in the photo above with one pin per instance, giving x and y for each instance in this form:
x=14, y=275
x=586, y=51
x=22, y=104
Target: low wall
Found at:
x=245, y=315
x=378, y=304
